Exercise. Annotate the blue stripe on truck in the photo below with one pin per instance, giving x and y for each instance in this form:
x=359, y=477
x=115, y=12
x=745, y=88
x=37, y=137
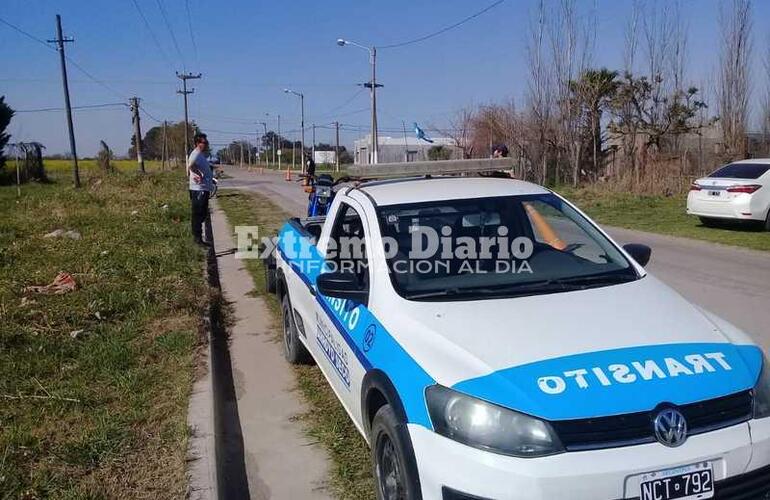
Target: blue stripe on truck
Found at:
x=367, y=338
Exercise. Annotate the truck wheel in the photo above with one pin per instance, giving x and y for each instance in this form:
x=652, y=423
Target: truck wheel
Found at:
x=293, y=349
x=395, y=470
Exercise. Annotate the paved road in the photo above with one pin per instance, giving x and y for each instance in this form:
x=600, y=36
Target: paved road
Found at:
x=731, y=282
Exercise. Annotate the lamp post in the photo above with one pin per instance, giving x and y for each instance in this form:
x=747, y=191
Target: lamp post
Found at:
x=372, y=85
x=267, y=160
x=302, y=124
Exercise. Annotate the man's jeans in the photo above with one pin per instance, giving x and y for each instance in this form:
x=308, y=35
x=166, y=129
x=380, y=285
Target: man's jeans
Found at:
x=199, y=202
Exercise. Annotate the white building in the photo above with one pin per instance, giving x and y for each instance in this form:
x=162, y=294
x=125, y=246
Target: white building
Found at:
x=401, y=149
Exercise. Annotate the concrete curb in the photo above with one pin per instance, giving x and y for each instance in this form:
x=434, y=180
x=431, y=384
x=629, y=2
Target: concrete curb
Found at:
x=201, y=450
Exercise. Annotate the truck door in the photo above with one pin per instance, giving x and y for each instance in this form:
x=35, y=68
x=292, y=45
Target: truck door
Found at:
x=346, y=250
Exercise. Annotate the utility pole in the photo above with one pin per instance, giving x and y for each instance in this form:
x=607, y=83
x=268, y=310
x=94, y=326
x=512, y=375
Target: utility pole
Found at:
x=267, y=160
x=313, y=148
x=184, y=77
x=163, y=149
x=280, y=142
x=137, y=133
x=337, y=146
x=373, y=85
x=60, y=41
x=302, y=125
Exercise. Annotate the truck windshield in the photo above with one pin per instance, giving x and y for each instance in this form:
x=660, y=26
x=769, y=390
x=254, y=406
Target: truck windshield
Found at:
x=496, y=247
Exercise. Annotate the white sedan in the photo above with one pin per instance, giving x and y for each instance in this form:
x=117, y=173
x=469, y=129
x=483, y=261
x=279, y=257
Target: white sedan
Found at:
x=737, y=191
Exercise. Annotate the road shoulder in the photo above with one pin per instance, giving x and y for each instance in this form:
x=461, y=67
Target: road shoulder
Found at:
x=281, y=461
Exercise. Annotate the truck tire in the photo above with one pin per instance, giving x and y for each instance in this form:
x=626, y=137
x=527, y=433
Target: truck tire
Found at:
x=293, y=349
x=393, y=463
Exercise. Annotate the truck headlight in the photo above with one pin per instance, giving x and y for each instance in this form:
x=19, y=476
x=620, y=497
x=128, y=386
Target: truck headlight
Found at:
x=489, y=427
x=762, y=393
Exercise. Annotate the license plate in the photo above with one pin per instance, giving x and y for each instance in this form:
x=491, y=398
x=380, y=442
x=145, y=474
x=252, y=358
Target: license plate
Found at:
x=715, y=193
x=694, y=482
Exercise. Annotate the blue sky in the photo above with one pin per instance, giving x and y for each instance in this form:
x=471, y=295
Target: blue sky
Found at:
x=248, y=51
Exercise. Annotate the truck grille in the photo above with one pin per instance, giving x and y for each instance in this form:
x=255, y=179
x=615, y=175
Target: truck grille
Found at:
x=636, y=428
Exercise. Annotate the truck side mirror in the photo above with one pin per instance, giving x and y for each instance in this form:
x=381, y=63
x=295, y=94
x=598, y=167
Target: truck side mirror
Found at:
x=342, y=285
x=640, y=253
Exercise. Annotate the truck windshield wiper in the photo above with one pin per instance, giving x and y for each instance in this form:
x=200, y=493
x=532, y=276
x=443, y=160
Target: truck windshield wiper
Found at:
x=528, y=288
x=597, y=279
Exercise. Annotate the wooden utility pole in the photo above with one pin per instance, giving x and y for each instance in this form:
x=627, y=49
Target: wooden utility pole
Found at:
x=60, y=41
x=313, y=148
x=184, y=77
x=137, y=133
x=163, y=148
x=337, y=145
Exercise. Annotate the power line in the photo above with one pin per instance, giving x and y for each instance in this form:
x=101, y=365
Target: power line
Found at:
x=69, y=59
x=171, y=32
x=347, y=101
x=28, y=35
x=152, y=33
x=87, y=106
x=442, y=30
x=189, y=28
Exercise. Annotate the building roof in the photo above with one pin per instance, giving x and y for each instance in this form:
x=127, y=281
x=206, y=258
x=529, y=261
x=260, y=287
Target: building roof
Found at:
x=418, y=190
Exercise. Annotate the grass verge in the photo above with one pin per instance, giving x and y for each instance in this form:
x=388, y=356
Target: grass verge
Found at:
x=660, y=214
x=64, y=167
x=326, y=419
x=94, y=383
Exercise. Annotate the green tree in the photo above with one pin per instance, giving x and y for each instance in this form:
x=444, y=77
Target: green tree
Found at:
x=6, y=113
x=439, y=153
x=593, y=92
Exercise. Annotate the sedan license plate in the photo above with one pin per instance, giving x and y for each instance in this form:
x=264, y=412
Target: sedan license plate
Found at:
x=694, y=482
x=715, y=193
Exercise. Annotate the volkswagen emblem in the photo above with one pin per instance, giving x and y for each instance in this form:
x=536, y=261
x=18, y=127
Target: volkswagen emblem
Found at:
x=670, y=427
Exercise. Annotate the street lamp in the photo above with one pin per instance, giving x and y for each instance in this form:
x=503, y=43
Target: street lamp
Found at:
x=264, y=125
x=373, y=86
x=302, y=124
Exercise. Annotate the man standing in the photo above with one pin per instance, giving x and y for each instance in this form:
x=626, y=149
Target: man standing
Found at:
x=201, y=180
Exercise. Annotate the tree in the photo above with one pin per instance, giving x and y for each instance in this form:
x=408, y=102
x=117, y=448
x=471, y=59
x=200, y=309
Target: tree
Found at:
x=654, y=117
x=153, y=142
x=104, y=156
x=594, y=92
x=734, y=76
x=439, y=153
x=6, y=113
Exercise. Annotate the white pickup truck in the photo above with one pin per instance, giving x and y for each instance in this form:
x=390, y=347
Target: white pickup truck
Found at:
x=489, y=341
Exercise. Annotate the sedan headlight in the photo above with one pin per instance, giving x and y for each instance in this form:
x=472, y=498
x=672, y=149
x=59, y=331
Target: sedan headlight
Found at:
x=762, y=393
x=489, y=427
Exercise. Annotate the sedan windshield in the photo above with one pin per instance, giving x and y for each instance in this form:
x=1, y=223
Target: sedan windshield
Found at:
x=496, y=247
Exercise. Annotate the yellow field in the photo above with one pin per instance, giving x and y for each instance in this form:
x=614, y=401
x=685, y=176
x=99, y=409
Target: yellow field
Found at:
x=58, y=166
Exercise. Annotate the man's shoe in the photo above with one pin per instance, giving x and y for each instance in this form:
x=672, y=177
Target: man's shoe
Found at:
x=202, y=243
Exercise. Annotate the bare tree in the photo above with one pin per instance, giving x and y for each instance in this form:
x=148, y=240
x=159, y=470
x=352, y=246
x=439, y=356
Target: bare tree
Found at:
x=571, y=53
x=460, y=130
x=734, y=75
x=765, y=105
x=540, y=96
